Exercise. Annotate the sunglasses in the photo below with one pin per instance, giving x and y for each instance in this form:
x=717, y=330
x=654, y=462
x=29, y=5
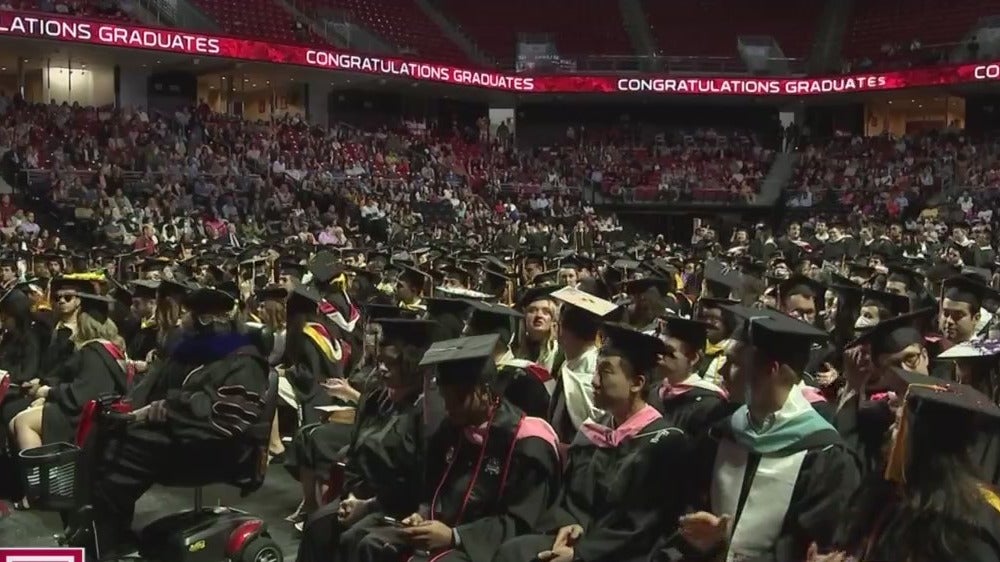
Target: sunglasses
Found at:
x=65, y=297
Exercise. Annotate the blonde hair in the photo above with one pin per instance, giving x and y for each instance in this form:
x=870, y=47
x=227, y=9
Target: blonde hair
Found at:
x=89, y=328
x=273, y=314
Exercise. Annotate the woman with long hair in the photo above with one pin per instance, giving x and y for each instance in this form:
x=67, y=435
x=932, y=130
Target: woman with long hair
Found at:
x=97, y=366
x=539, y=339
x=19, y=349
x=312, y=355
x=931, y=503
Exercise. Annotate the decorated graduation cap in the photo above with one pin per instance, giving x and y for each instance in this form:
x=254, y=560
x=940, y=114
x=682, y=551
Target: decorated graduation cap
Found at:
x=464, y=361
x=802, y=285
x=691, y=332
x=640, y=349
x=938, y=418
x=97, y=307
x=778, y=336
x=720, y=279
x=585, y=312
x=894, y=335
x=979, y=349
x=407, y=331
x=67, y=283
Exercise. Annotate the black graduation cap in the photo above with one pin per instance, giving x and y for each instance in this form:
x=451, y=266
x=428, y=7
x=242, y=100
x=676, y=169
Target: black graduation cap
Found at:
x=640, y=349
x=440, y=305
x=292, y=269
x=71, y=284
x=912, y=279
x=458, y=273
x=542, y=292
x=576, y=261
x=463, y=361
x=174, y=288
x=305, y=296
x=961, y=288
x=545, y=278
x=410, y=331
x=778, y=336
x=691, y=332
x=325, y=267
x=210, y=300
x=639, y=286
x=490, y=318
x=414, y=277
x=720, y=279
x=799, y=284
x=895, y=334
x=144, y=288
x=534, y=256
x=862, y=270
x=896, y=304
x=97, y=307
x=378, y=311
x=272, y=293
x=595, y=286
x=495, y=281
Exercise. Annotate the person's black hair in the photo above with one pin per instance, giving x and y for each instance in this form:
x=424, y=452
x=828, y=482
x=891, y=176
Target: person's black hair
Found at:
x=940, y=500
x=630, y=369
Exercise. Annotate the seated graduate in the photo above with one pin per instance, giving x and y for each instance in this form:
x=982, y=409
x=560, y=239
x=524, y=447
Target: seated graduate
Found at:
x=200, y=403
x=20, y=351
x=524, y=383
x=720, y=328
x=774, y=477
x=491, y=472
x=538, y=341
x=382, y=464
x=608, y=511
x=98, y=366
x=931, y=503
x=863, y=416
x=146, y=338
x=312, y=355
x=686, y=401
x=66, y=308
x=579, y=325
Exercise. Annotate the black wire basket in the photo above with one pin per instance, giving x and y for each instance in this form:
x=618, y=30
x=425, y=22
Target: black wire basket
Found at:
x=49, y=474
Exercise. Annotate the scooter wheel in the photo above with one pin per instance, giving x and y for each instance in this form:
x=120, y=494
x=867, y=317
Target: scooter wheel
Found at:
x=261, y=549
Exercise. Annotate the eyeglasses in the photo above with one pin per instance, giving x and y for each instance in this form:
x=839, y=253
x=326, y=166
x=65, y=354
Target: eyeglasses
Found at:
x=66, y=297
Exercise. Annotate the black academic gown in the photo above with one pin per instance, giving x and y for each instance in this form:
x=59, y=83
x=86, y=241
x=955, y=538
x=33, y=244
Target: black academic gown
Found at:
x=142, y=341
x=310, y=367
x=477, y=491
x=864, y=424
x=877, y=537
x=824, y=483
x=20, y=357
x=607, y=492
x=524, y=389
x=693, y=412
x=88, y=374
x=215, y=387
x=383, y=462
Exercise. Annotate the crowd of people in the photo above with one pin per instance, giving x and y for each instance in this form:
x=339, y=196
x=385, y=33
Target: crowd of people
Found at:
x=475, y=364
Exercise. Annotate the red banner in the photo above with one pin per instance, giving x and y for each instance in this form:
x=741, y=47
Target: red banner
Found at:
x=53, y=27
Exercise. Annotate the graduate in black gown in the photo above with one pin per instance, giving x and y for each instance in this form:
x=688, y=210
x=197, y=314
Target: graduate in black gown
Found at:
x=98, y=366
x=491, y=472
x=931, y=503
x=381, y=465
x=144, y=341
x=774, y=477
x=312, y=354
x=209, y=393
x=608, y=511
x=863, y=416
x=19, y=351
x=686, y=401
